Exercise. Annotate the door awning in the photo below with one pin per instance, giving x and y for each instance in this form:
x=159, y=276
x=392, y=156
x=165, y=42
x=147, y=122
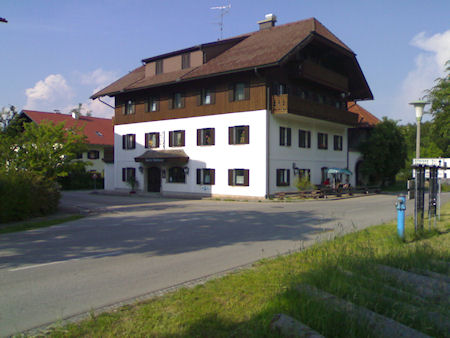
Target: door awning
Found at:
x=163, y=156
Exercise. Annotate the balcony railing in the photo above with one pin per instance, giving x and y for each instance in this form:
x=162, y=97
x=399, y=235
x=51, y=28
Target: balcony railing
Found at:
x=315, y=72
x=290, y=104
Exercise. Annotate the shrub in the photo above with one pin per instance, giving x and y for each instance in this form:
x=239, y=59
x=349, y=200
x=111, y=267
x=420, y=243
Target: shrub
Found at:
x=80, y=180
x=25, y=195
x=303, y=183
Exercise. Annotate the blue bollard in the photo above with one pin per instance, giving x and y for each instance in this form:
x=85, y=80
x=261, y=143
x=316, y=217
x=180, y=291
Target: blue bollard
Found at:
x=401, y=207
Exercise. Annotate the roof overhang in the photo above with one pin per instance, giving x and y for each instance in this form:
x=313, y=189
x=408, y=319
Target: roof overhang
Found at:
x=163, y=156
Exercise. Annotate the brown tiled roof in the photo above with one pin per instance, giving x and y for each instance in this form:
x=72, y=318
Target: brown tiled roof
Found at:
x=260, y=48
x=122, y=83
x=265, y=47
x=159, y=79
x=365, y=119
x=98, y=130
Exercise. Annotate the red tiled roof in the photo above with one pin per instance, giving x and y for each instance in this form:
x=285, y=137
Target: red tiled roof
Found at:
x=365, y=119
x=98, y=130
x=260, y=48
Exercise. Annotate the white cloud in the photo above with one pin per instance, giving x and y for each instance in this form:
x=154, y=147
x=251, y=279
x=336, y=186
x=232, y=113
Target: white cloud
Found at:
x=100, y=109
x=439, y=44
x=429, y=65
x=54, y=92
x=51, y=93
x=100, y=79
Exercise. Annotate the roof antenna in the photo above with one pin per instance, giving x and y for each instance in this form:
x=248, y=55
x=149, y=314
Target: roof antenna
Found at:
x=223, y=10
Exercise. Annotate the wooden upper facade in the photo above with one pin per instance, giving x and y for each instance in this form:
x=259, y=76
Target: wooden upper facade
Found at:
x=299, y=68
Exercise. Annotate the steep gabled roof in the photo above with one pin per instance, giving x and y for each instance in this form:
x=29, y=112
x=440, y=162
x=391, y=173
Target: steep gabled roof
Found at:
x=365, y=119
x=98, y=130
x=265, y=47
x=262, y=48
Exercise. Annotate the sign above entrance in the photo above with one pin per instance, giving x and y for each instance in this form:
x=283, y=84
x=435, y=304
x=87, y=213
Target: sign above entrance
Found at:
x=153, y=160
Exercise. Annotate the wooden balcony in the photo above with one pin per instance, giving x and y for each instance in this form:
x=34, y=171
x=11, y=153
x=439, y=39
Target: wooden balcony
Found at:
x=290, y=104
x=314, y=72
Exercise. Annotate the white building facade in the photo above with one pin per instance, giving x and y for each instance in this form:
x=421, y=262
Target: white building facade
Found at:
x=240, y=117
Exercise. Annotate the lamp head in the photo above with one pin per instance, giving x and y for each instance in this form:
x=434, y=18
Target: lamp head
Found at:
x=419, y=105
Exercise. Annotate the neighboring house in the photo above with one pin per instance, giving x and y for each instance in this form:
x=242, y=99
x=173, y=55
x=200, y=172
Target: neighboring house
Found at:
x=356, y=135
x=244, y=116
x=99, y=133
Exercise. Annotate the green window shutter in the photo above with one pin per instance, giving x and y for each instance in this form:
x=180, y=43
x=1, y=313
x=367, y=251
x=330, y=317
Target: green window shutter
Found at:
x=246, y=177
x=199, y=176
x=199, y=137
x=288, y=136
x=247, y=134
x=213, y=136
x=247, y=91
x=230, y=177
x=170, y=138
x=213, y=176
x=182, y=138
x=230, y=135
x=230, y=92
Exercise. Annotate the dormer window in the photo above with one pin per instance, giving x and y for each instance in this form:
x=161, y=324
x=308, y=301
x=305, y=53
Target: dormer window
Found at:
x=159, y=67
x=186, y=61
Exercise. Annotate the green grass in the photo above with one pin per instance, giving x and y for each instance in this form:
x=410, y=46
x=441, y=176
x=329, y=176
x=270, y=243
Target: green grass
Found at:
x=242, y=304
x=36, y=225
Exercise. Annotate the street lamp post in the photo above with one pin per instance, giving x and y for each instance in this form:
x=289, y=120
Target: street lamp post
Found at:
x=419, y=172
x=418, y=105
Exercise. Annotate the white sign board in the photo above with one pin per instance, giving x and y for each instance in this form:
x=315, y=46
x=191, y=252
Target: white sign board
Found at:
x=430, y=162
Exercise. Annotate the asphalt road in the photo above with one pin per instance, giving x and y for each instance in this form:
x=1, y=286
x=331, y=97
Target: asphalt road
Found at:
x=133, y=246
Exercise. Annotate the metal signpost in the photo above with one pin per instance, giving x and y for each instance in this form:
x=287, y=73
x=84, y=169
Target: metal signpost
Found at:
x=433, y=165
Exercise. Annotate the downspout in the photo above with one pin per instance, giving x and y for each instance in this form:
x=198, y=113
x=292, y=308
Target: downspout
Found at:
x=268, y=111
x=105, y=103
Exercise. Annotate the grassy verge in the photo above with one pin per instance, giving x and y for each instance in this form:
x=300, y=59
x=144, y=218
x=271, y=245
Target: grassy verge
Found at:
x=36, y=225
x=243, y=303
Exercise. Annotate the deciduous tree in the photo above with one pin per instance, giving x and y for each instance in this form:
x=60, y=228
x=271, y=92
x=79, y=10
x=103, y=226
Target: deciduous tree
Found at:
x=439, y=97
x=384, y=152
x=46, y=150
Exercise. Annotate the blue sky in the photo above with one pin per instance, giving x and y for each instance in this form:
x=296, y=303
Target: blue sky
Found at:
x=55, y=53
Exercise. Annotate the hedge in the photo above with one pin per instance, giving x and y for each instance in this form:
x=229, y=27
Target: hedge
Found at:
x=25, y=195
x=80, y=180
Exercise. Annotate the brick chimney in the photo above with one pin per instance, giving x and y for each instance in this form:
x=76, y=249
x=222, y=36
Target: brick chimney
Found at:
x=268, y=22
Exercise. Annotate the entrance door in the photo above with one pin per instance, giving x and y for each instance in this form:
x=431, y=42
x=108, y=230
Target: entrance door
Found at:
x=154, y=179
